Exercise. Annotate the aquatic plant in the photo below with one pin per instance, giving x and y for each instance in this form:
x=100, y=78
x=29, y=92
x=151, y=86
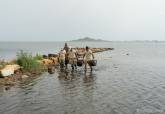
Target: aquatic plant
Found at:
x=28, y=62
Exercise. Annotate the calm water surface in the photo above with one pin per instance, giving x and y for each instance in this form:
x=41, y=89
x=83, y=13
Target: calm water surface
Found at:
x=127, y=80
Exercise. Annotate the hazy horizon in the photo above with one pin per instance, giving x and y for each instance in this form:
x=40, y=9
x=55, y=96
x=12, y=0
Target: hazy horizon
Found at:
x=54, y=20
x=90, y=41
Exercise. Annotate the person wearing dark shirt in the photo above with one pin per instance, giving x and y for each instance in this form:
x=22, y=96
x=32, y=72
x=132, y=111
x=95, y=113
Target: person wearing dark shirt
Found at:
x=66, y=48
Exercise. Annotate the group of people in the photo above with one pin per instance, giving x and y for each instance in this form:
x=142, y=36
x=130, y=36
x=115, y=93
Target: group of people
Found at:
x=68, y=55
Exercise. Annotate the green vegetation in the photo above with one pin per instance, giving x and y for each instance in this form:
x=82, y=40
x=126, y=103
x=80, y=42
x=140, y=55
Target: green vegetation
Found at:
x=28, y=62
x=2, y=64
x=38, y=57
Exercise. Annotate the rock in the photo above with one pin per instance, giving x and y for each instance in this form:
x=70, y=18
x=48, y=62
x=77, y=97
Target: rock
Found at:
x=52, y=55
x=47, y=61
x=24, y=76
x=9, y=83
x=9, y=70
x=7, y=78
x=7, y=88
x=54, y=59
x=51, y=69
x=14, y=66
x=45, y=56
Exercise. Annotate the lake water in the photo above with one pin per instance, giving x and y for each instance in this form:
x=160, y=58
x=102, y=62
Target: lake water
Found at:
x=128, y=80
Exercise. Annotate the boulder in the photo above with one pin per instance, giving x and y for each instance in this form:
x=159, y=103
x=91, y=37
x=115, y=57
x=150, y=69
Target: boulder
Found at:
x=47, y=61
x=14, y=66
x=9, y=70
x=54, y=59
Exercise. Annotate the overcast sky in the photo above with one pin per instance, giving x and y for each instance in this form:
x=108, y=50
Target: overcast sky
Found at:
x=58, y=20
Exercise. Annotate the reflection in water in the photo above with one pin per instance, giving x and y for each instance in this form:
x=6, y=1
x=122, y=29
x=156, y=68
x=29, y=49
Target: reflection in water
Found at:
x=77, y=91
x=67, y=75
x=88, y=91
x=88, y=78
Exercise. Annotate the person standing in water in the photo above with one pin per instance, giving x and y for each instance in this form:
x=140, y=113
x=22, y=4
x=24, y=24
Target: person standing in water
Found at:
x=62, y=54
x=88, y=56
x=73, y=58
x=66, y=48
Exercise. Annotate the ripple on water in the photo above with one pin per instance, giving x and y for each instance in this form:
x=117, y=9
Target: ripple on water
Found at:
x=122, y=85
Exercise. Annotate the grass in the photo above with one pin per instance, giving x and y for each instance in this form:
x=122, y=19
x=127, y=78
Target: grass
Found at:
x=2, y=64
x=38, y=57
x=28, y=62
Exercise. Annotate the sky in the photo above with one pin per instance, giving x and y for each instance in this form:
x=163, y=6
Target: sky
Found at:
x=62, y=20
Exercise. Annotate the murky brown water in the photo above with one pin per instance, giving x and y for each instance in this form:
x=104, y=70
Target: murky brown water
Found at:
x=120, y=84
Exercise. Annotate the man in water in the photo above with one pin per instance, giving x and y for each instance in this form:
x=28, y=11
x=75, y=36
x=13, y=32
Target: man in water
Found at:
x=73, y=58
x=88, y=56
x=66, y=48
x=62, y=54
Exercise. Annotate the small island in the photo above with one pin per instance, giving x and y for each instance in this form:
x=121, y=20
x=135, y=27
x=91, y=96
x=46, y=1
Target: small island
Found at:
x=88, y=39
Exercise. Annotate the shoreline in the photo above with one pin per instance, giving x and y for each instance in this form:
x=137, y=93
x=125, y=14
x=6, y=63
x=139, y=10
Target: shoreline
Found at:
x=50, y=63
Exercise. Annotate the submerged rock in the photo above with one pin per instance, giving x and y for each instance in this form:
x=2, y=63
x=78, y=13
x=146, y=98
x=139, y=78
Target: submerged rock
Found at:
x=24, y=76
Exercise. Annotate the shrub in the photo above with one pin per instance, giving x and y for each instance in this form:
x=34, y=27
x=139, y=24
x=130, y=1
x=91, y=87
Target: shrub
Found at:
x=38, y=57
x=28, y=62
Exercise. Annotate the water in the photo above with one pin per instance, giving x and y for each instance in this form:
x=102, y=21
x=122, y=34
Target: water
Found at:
x=127, y=80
